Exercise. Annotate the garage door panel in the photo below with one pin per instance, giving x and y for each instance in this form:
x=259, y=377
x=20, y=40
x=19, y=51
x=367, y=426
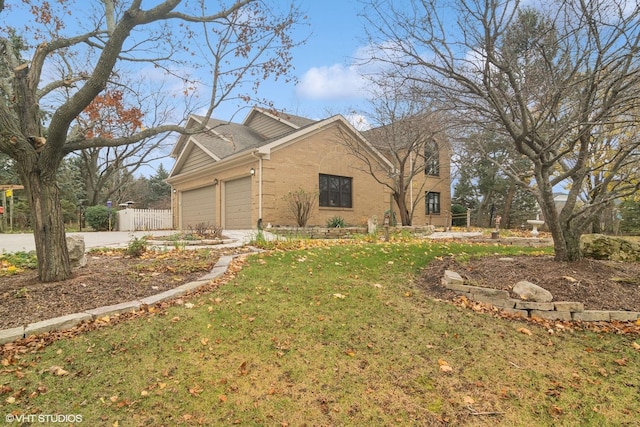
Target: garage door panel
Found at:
x=237, y=206
x=199, y=206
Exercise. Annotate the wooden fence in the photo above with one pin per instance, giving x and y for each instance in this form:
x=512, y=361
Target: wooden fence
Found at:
x=144, y=219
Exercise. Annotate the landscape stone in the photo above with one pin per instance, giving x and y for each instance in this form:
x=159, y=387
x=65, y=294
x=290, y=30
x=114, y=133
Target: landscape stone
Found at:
x=592, y=316
x=532, y=292
x=163, y=296
x=624, y=316
x=451, y=277
x=516, y=312
x=193, y=285
x=13, y=334
x=615, y=248
x=56, y=324
x=76, y=248
x=125, y=307
x=490, y=292
x=568, y=306
x=457, y=287
x=551, y=315
x=530, y=305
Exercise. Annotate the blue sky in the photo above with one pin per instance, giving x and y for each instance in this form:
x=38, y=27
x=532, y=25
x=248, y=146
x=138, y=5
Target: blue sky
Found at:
x=328, y=79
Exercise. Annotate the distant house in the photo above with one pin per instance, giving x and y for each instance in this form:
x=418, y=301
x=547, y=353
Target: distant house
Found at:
x=236, y=175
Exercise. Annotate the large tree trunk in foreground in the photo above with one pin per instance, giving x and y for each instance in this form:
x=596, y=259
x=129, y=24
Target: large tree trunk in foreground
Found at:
x=48, y=227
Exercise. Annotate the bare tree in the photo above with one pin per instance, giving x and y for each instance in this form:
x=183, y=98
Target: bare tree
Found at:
x=240, y=45
x=409, y=134
x=556, y=80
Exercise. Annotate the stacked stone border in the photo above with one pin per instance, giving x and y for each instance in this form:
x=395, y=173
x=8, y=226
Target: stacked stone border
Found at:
x=558, y=310
x=71, y=320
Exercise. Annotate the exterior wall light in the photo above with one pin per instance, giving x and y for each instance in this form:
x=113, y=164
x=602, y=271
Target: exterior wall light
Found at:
x=253, y=171
x=215, y=181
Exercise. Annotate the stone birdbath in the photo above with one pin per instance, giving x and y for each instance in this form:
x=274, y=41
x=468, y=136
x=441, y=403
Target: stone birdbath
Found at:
x=535, y=223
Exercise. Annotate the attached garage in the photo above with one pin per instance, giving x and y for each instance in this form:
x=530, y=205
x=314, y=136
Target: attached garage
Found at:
x=237, y=204
x=198, y=206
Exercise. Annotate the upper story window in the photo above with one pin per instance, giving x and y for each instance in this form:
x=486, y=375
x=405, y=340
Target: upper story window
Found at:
x=335, y=191
x=431, y=159
x=432, y=203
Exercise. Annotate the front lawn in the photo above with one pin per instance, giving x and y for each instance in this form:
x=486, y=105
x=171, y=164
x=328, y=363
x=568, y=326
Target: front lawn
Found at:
x=330, y=334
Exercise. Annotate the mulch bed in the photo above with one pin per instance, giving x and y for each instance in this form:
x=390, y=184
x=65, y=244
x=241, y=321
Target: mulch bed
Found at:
x=599, y=284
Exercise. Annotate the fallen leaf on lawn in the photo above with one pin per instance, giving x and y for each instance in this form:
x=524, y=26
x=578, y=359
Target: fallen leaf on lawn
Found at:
x=377, y=285
x=204, y=341
x=350, y=353
x=113, y=398
x=636, y=345
x=243, y=368
x=469, y=400
x=116, y=424
x=10, y=399
x=195, y=390
x=524, y=331
x=144, y=393
x=569, y=279
x=175, y=319
x=189, y=305
x=58, y=371
x=340, y=296
x=222, y=398
x=5, y=362
x=444, y=366
x=621, y=362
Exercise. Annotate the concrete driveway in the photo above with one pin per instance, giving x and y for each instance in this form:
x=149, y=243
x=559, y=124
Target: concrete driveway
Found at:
x=99, y=239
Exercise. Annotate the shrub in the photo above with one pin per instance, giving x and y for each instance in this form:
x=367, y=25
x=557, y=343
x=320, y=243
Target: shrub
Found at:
x=136, y=247
x=301, y=204
x=98, y=217
x=205, y=230
x=336, y=222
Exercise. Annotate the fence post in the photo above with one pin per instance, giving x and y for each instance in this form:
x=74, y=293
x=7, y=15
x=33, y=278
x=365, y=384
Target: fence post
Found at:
x=468, y=219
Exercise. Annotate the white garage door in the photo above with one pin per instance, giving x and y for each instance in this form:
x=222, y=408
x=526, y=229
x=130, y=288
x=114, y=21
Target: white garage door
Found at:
x=237, y=204
x=198, y=207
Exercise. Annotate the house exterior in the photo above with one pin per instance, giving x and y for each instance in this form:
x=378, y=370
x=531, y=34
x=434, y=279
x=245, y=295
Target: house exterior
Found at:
x=237, y=175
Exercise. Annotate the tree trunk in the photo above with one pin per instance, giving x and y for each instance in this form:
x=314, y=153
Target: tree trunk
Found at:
x=48, y=228
x=405, y=216
x=508, y=201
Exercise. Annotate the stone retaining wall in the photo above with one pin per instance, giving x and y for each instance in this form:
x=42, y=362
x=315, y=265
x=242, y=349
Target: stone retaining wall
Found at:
x=557, y=310
x=345, y=232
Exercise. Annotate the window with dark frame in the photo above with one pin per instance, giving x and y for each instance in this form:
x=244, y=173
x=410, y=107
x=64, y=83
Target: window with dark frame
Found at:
x=432, y=202
x=335, y=191
x=431, y=159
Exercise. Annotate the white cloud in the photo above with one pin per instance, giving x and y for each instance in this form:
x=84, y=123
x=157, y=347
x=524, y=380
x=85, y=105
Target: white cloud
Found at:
x=358, y=121
x=332, y=82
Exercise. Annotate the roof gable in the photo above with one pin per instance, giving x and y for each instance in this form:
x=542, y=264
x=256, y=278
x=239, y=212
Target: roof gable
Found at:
x=274, y=124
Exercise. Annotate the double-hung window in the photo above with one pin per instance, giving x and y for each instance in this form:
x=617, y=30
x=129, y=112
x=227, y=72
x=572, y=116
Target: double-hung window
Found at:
x=432, y=202
x=335, y=191
x=432, y=159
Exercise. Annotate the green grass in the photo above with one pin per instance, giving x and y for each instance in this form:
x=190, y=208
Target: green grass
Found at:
x=16, y=262
x=330, y=335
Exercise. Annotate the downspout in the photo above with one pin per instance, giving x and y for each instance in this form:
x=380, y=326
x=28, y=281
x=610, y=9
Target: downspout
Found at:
x=411, y=183
x=253, y=153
